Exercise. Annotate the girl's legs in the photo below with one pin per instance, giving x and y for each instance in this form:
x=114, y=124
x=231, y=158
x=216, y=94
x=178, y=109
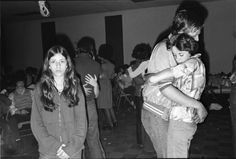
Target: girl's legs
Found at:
x=94, y=147
x=109, y=117
x=179, y=138
x=113, y=116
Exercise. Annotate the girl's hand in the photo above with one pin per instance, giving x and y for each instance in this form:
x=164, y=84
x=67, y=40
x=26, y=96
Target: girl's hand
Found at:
x=91, y=80
x=201, y=112
x=87, y=90
x=13, y=110
x=196, y=118
x=61, y=153
x=23, y=112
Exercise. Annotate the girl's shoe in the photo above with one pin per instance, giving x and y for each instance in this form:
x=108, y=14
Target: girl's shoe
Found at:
x=107, y=127
x=115, y=124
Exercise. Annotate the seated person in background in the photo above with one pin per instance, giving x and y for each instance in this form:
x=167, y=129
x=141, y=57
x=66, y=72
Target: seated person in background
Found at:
x=31, y=74
x=124, y=81
x=8, y=137
x=21, y=99
x=5, y=102
x=20, y=108
x=121, y=77
x=121, y=69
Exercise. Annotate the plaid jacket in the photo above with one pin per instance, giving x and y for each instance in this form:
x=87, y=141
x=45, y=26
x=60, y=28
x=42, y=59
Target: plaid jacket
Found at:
x=190, y=79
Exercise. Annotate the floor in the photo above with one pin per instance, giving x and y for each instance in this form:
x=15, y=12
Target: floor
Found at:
x=213, y=138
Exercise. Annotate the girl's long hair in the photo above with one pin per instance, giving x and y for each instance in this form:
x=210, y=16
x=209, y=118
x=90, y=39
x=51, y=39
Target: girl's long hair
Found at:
x=71, y=83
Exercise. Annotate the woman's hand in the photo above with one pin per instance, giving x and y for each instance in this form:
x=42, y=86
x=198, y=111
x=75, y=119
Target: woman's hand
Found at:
x=13, y=110
x=61, y=153
x=195, y=117
x=201, y=112
x=87, y=90
x=91, y=80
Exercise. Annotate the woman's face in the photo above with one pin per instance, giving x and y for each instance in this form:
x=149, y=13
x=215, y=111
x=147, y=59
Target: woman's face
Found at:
x=180, y=56
x=58, y=65
x=20, y=87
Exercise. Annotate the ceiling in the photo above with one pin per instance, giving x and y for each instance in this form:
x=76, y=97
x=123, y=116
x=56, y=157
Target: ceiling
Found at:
x=19, y=10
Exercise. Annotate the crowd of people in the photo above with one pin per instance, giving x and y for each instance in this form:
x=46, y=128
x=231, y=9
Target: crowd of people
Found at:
x=72, y=98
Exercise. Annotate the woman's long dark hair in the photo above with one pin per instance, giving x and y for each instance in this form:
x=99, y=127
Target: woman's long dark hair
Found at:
x=71, y=83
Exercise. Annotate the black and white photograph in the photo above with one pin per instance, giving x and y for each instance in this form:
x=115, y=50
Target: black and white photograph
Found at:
x=87, y=79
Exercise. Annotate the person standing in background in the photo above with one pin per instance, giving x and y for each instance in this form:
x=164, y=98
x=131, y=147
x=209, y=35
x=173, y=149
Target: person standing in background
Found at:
x=233, y=102
x=84, y=65
x=105, y=102
x=58, y=116
x=20, y=108
x=136, y=72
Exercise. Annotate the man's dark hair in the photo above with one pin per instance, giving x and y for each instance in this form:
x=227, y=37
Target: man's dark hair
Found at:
x=189, y=14
x=105, y=51
x=87, y=45
x=142, y=51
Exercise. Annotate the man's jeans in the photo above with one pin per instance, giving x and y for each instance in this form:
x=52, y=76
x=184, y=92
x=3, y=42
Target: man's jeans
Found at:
x=179, y=138
x=233, y=115
x=94, y=148
x=157, y=129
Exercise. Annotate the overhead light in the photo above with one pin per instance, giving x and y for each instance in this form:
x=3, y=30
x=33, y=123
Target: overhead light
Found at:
x=44, y=8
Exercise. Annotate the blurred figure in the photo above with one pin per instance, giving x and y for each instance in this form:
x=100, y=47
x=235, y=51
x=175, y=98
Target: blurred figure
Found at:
x=233, y=102
x=21, y=99
x=21, y=104
x=5, y=103
x=20, y=108
x=31, y=74
x=84, y=65
x=105, y=101
x=9, y=137
x=141, y=54
x=136, y=71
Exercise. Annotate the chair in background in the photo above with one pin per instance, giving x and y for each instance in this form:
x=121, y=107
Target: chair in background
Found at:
x=23, y=127
x=123, y=95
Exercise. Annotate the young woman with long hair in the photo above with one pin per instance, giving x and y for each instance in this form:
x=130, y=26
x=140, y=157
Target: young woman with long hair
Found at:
x=58, y=118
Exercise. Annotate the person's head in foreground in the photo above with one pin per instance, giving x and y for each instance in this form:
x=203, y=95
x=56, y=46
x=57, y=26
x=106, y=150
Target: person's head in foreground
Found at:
x=183, y=47
x=58, y=65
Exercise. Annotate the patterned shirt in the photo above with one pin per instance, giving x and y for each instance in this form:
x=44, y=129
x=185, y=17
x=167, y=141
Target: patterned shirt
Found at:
x=190, y=79
x=154, y=100
x=21, y=100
